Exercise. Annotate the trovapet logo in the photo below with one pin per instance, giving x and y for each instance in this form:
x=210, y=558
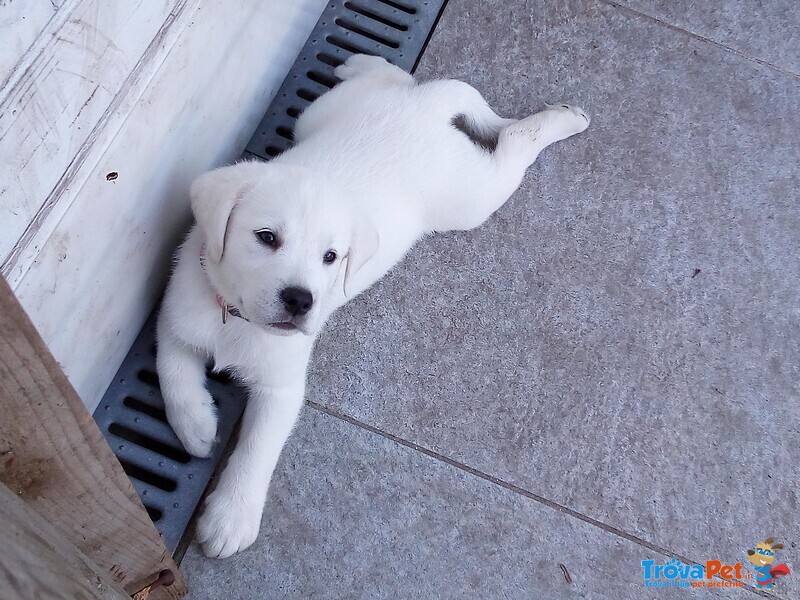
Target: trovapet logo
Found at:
x=676, y=574
x=715, y=573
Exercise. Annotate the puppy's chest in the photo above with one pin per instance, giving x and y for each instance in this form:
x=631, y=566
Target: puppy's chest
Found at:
x=256, y=355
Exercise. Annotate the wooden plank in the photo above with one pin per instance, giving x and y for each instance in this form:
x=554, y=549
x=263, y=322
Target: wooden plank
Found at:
x=53, y=456
x=98, y=276
x=38, y=562
x=66, y=104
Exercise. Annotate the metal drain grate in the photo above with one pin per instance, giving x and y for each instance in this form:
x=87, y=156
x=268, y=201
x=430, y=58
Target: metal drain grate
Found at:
x=131, y=415
x=397, y=30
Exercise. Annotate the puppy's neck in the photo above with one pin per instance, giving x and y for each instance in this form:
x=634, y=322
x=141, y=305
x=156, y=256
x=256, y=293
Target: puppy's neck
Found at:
x=226, y=308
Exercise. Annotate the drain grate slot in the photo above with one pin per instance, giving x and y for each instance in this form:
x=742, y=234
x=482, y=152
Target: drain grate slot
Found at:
x=220, y=376
x=131, y=415
x=284, y=132
x=327, y=80
x=404, y=7
x=148, y=376
x=145, y=441
x=364, y=32
x=293, y=112
x=148, y=477
x=329, y=60
x=347, y=45
x=361, y=10
x=145, y=408
x=307, y=95
x=154, y=513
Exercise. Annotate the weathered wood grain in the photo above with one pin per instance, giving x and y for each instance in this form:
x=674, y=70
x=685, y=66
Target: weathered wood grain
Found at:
x=53, y=457
x=37, y=562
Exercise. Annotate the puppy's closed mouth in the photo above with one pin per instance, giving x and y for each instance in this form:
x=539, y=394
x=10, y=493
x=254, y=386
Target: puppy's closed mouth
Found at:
x=285, y=326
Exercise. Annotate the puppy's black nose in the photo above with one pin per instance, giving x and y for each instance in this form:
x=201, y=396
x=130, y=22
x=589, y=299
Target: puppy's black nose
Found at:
x=296, y=300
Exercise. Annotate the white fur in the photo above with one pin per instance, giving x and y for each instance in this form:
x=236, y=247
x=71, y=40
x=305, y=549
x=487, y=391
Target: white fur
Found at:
x=377, y=165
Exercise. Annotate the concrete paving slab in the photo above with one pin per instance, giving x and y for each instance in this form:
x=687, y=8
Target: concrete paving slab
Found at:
x=768, y=30
x=353, y=515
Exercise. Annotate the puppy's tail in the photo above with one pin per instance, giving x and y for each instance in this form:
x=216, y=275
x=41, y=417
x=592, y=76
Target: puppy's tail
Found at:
x=482, y=128
x=472, y=116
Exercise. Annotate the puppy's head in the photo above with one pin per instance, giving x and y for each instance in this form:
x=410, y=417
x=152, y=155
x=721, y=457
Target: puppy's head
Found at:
x=281, y=246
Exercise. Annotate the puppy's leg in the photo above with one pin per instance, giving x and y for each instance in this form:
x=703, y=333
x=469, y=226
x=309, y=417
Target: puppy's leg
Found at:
x=363, y=65
x=493, y=171
x=522, y=141
x=190, y=409
x=232, y=515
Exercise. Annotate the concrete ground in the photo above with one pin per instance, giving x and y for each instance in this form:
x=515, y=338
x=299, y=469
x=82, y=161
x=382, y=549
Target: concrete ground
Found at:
x=606, y=372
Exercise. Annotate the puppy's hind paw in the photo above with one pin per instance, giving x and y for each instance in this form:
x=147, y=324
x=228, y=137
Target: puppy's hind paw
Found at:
x=359, y=64
x=568, y=119
x=379, y=68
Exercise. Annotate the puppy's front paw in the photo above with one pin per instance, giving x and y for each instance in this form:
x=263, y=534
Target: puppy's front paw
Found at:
x=195, y=424
x=229, y=523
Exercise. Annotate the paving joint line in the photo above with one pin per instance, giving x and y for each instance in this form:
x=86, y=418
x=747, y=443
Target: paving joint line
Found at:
x=513, y=488
x=698, y=36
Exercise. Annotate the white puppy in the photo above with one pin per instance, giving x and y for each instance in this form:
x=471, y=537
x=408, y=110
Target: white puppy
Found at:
x=380, y=161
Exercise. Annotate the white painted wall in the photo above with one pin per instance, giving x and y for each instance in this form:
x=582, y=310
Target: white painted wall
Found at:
x=157, y=92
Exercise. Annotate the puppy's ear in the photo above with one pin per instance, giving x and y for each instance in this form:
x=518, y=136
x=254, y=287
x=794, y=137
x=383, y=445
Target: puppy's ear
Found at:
x=363, y=246
x=214, y=196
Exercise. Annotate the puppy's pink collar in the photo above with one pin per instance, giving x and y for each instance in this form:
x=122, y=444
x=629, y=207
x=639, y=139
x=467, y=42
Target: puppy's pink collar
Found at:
x=227, y=309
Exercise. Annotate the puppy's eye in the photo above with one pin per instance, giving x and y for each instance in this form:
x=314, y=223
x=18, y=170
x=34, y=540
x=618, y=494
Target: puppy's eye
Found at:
x=329, y=257
x=267, y=238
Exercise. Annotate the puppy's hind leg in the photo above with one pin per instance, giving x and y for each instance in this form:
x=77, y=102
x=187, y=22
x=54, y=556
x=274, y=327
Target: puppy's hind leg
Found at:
x=522, y=141
x=492, y=175
x=364, y=65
